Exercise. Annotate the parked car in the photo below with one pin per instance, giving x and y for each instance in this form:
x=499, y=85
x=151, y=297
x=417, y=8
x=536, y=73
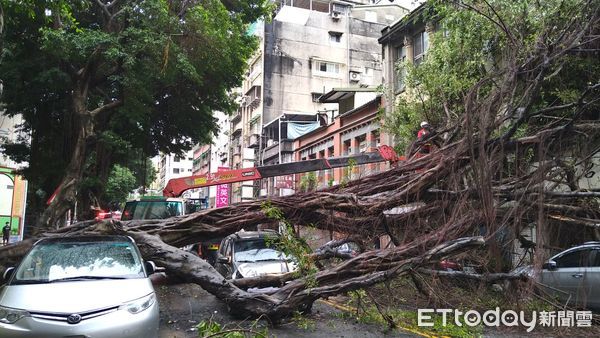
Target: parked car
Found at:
x=93, y=286
x=351, y=249
x=157, y=207
x=573, y=275
x=153, y=208
x=102, y=215
x=251, y=254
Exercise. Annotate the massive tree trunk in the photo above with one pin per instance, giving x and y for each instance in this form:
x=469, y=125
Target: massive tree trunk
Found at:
x=84, y=123
x=66, y=193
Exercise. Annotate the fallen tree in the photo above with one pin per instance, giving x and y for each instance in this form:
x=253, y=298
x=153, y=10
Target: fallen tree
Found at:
x=508, y=160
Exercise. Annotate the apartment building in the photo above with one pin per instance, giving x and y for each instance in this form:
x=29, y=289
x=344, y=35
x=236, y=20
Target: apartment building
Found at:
x=405, y=41
x=174, y=166
x=309, y=48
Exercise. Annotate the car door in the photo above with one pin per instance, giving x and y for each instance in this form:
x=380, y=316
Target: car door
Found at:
x=594, y=278
x=225, y=251
x=570, y=277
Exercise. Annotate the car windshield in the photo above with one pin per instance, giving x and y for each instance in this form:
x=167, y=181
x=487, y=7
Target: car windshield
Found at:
x=151, y=210
x=257, y=250
x=67, y=261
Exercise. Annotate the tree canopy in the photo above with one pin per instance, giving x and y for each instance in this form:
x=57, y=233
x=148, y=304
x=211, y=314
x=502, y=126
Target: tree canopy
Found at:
x=485, y=41
x=97, y=81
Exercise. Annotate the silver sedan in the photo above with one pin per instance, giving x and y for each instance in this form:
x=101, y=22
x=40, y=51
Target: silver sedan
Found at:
x=80, y=287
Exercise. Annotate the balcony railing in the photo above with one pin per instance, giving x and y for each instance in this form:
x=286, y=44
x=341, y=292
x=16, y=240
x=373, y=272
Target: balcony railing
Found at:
x=273, y=151
x=237, y=116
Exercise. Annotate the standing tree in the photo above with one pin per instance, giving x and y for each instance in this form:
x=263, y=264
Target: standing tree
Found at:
x=120, y=183
x=147, y=72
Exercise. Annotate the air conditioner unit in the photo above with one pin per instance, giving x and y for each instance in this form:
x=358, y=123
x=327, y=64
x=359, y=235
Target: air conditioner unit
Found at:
x=354, y=76
x=335, y=15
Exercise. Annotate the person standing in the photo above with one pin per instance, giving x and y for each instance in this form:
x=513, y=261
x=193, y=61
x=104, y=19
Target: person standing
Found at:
x=5, y=234
x=422, y=134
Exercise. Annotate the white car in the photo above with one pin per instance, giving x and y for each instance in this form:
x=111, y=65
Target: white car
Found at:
x=94, y=286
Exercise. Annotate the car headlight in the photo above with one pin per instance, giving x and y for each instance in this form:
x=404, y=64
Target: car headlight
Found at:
x=140, y=304
x=9, y=316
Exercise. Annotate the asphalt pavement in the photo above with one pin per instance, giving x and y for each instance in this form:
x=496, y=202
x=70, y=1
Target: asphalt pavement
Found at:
x=183, y=306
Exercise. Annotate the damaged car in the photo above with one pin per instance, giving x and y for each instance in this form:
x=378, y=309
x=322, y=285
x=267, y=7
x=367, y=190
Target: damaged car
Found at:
x=252, y=254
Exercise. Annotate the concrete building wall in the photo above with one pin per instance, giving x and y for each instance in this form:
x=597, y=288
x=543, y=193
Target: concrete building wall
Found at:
x=293, y=52
x=296, y=49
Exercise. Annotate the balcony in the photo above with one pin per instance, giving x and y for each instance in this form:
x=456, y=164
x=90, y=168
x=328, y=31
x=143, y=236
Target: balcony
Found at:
x=237, y=129
x=252, y=97
x=236, y=117
x=273, y=151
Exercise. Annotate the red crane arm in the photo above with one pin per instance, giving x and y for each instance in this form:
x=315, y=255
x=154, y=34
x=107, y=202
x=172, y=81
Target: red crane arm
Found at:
x=176, y=186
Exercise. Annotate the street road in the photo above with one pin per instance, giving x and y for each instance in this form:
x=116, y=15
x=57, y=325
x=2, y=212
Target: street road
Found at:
x=183, y=306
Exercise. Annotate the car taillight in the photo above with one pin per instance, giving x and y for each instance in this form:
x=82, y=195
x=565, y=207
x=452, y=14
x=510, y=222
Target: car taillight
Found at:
x=102, y=215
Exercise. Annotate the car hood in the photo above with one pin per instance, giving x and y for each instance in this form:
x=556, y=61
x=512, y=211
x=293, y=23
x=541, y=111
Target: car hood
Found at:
x=74, y=297
x=256, y=269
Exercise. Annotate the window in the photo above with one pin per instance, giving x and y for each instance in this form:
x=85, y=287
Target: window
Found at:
x=175, y=170
x=151, y=209
x=420, y=46
x=49, y=262
x=335, y=37
x=400, y=70
x=190, y=158
x=573, y=259
x=315, y=96
x=177, y=158
x=327, y=68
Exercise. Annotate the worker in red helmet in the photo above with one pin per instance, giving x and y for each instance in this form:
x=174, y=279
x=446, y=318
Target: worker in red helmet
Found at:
x=425, y=129
x=422, y=134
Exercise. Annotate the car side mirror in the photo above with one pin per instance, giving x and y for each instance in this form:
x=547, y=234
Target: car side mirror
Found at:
x=150, y=267
x=550, y=266
x=8, y=273
x=223, y=260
